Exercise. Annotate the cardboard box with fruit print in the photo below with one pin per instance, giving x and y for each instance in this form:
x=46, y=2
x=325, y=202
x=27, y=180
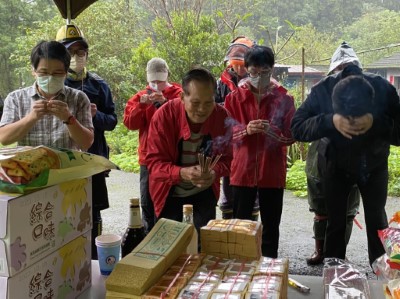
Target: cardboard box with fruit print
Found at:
x=63, y=274
x=34, y=225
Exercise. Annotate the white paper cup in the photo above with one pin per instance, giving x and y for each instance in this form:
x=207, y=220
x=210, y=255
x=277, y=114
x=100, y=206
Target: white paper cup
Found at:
x=108, y=251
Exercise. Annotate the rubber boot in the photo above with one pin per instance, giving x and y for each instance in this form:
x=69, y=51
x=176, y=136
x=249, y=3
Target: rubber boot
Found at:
x=318, y=256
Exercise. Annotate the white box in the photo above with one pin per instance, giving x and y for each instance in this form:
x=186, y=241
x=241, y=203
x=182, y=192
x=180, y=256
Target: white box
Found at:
x=65, y=273
x=34, y=225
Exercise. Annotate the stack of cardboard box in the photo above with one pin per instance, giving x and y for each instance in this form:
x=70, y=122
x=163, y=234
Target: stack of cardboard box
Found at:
x=45, y=241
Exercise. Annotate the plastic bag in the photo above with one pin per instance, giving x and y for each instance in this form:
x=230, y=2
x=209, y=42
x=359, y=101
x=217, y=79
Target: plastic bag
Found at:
x=342, y=280
x=390, y=238
x=394, y=288
x=383, y=270
x=27, y=168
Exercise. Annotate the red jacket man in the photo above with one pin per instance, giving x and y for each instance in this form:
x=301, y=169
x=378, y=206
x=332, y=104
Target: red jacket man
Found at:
x=137, y=115
x=263, y=112
x=180, y=130
x=263, y=156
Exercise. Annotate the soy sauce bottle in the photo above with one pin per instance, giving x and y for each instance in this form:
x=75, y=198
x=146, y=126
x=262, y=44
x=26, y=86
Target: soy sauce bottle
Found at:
x=188, y=218
x=134, y=234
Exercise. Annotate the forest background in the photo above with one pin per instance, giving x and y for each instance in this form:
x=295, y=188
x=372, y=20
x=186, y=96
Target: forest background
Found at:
x=124, y=34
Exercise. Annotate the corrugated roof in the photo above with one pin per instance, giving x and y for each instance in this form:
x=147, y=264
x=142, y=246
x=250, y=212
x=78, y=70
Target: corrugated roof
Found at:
x=392, y=61
x=297, y=69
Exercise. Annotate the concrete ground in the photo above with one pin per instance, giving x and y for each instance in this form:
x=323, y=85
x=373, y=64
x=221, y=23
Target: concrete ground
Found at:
x=296, y=241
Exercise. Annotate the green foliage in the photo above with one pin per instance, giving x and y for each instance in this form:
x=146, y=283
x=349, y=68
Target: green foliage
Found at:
x=296, y=179
x=296, y=151
x=190, y=42
x=123, y=148
x=394, y=171
x=15, y=16
x=373, y=30
x=316, y=44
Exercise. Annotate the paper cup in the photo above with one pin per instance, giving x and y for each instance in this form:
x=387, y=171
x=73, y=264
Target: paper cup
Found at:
x=108, y=251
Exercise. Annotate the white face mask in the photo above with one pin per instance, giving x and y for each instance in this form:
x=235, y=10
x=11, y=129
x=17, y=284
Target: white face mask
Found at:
x=158, y=86
x=258, y=83
x=78, y=63
x=50, y=84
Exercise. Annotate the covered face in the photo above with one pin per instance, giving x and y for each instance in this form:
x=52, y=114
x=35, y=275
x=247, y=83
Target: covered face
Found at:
x=235, y=54
x=78, y=52
x=238, y=48
x=259, y=77
x=238, y=67
x=198, y=101
x=50, y=75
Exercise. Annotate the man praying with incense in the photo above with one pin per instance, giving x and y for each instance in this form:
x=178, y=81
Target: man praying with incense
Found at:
x=189, y=150
x=263, y=111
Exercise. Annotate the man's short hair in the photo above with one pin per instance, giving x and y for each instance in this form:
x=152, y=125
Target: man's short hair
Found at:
x=259, y=56
x=353, y=96
x=198, y=74
x=50, y=50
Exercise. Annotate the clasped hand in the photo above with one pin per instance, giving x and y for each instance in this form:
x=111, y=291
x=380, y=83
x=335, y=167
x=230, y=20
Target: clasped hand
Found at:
x=53, y=107
x=152, y=98
x=353, y=126
x=257, y=126
x=194, y=175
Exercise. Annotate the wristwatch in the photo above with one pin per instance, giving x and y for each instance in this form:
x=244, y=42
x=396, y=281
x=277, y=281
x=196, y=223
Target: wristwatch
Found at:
x=70, y=121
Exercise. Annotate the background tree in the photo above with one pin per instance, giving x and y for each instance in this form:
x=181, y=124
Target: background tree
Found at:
x=15, y=16
x=375, y=29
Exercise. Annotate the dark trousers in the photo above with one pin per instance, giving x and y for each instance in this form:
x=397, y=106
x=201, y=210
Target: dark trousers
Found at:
x=96, y=231
x=204, y=204
x=271, y=205
x=226, y=200
x=99, y=202
x=148, y=215
x=321, y=218
x=373, y=189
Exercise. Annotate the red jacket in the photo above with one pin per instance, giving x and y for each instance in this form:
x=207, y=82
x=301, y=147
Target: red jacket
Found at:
x=137, y=115
x=259, y=159
x=168, y=128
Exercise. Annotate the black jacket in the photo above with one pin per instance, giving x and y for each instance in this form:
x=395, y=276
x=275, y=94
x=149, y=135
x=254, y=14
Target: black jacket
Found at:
x=105, y=119
x=314, y=120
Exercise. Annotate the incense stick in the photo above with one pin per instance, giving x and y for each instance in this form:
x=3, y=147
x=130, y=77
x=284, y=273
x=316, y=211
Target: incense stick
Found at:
x=207, y=163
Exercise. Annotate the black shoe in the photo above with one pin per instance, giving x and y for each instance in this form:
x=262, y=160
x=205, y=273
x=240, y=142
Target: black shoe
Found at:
x=317, y=258
x=227, y=215
x=254, y=217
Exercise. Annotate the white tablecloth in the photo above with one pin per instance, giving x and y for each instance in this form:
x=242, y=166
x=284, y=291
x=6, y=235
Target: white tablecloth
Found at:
x=98, y=290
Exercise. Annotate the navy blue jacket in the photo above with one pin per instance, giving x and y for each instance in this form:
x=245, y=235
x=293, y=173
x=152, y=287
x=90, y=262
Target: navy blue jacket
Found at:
x=105, y=119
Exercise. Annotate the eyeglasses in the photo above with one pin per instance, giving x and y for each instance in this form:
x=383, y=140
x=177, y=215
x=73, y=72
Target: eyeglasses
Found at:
x=55, y=74
x=80, y=52
x=262, y=73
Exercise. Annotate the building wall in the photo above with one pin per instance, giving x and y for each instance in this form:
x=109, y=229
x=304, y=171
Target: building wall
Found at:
x=392, y=75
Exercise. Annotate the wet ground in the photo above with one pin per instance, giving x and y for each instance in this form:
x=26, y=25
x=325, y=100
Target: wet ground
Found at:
x=296, y=241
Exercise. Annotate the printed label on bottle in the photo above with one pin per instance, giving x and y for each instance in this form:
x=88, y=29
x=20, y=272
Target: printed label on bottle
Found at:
x=135, y=219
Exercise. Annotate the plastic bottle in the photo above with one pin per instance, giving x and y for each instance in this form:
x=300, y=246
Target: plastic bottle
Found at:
x=188, y=218
x=134, y=234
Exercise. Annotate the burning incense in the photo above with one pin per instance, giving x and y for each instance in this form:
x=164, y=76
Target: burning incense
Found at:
x=207, y=163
